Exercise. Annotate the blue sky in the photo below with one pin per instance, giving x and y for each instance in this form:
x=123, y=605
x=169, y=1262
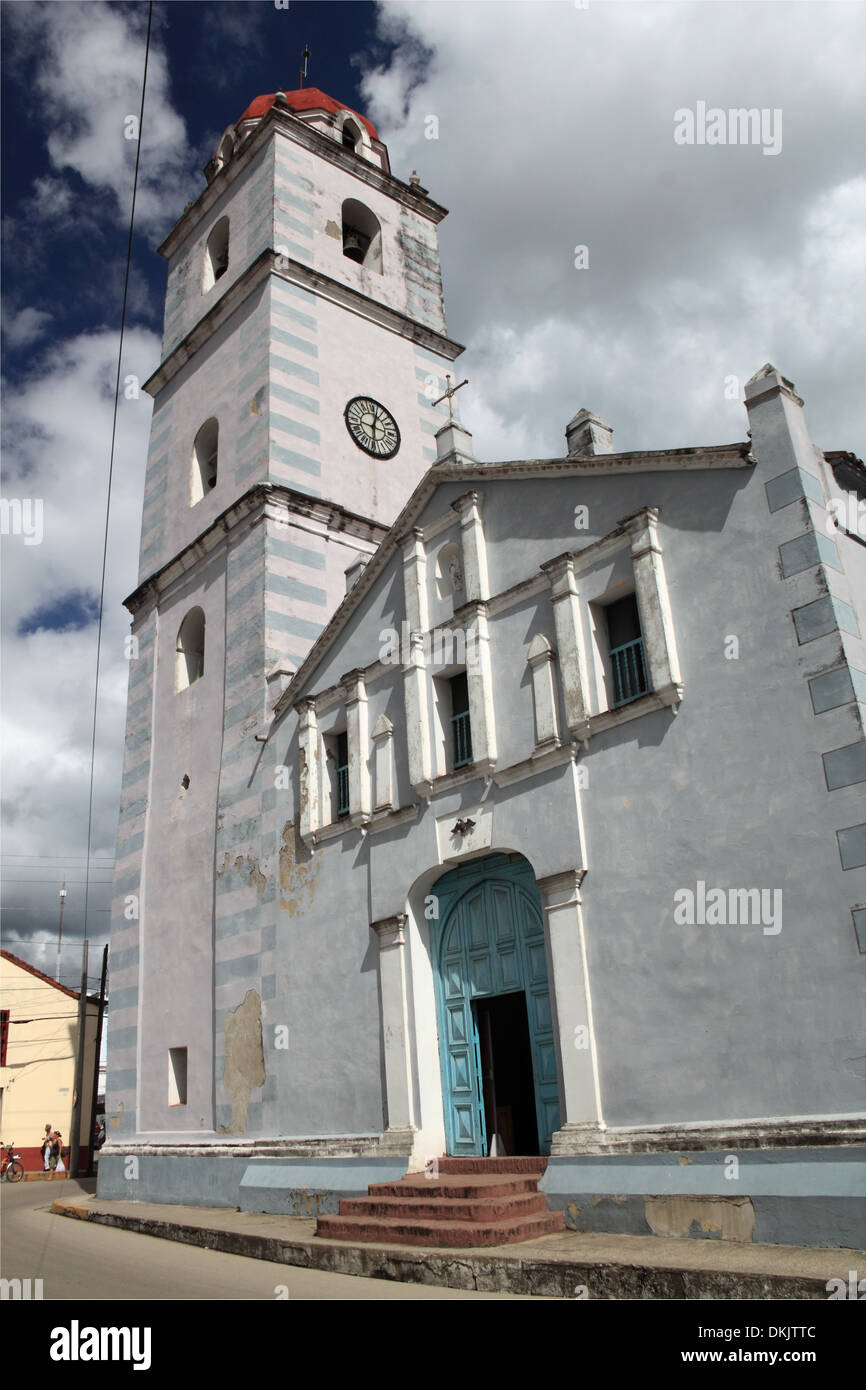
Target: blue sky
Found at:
x=555, y=129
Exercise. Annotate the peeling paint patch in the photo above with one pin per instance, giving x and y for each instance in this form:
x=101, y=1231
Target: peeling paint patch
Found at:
x=721, y=1218
x=245, y=1059
x=331, y=229
x=250, y=864
x=297, y=876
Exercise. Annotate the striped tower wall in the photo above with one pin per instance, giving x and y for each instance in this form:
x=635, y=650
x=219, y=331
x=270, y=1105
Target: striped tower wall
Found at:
x=126, y=902
x=243, y=890
x=156, y=489
x=420, y=246
x=270, y=205
x=291, y=369
x=285, y=575
x=431, y=373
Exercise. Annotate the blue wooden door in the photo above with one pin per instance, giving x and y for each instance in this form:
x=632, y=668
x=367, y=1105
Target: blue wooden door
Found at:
x=490, y=941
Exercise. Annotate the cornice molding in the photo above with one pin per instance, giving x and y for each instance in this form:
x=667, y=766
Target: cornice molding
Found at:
x=257, y=499
x=271, y=262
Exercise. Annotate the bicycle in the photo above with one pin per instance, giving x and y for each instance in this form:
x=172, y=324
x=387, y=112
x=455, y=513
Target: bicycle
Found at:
x=11, y=1167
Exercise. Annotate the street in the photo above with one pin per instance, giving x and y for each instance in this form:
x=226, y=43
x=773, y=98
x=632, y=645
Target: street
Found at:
x=81, y=1262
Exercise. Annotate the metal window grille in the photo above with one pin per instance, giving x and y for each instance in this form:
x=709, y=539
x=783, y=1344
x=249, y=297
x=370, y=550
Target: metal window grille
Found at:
x=343, y=790
x=462, y=739
x=629, y=672
x=342, y=751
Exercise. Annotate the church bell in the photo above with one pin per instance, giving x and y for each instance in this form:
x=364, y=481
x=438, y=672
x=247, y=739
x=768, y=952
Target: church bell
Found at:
x=353, y=246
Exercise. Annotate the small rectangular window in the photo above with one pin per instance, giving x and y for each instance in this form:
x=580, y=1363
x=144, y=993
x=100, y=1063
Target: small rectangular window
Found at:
x=342, y=757
x=461, y=730
x=626, y=651
x=177, y=1075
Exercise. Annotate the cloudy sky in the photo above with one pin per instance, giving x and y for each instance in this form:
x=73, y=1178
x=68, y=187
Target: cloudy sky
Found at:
x=554, y=130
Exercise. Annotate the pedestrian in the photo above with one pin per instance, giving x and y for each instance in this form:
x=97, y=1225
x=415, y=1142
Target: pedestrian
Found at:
x=46, y=1148
x=54, y=1151
x=61, y=1166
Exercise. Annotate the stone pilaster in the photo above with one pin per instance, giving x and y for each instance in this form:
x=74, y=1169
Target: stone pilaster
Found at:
x=308, y=739
x=569, y=640
x=468, y=508
x=579, y=1090
x=391, y=932
x=651, y=592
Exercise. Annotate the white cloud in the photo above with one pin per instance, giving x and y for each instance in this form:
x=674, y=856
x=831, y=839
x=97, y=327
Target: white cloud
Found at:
x=556, y=129
x=58, y=424
x=88, y=83
x=25, y=327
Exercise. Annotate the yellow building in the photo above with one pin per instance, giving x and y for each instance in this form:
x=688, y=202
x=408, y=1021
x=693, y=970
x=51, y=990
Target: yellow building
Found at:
x=37, y=1075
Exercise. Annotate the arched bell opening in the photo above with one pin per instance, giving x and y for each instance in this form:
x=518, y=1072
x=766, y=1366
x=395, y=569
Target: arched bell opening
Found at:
x=189, y=664
x=362, y=236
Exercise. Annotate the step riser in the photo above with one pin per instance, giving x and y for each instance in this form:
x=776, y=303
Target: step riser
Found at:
x=431, y=1189
x=493, y=1165
x=462, y=1237
x=478, y=1212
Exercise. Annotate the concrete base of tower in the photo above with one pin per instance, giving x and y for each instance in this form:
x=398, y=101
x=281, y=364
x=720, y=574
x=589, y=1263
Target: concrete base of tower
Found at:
x=807, y=1196
x=289, y=1177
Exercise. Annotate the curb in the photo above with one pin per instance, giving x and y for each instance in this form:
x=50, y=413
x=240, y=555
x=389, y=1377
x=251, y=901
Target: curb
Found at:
x=483, y=1272
x=49, y=1177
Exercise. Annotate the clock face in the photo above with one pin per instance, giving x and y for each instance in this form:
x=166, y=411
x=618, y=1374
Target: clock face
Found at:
x=372, y=427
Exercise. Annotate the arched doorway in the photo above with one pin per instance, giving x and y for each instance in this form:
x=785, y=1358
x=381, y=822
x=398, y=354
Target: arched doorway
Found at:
x=496, y=1037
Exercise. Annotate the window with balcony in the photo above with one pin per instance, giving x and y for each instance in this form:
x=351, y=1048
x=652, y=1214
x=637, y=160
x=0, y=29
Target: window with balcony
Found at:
x=335, y=789
x=342, y=770
x=627, y=662
x=461, y=731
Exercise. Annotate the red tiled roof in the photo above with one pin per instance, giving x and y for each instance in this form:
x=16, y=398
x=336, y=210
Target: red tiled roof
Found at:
x=306, y=99
x=16, y=960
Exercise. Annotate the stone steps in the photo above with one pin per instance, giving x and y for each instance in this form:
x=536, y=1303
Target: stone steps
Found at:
x=455, y=1185
x=477, y=1209
x=486, y=1166
x=472, y=1202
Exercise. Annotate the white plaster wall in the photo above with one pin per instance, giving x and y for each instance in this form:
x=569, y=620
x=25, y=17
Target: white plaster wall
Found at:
x=178, y=880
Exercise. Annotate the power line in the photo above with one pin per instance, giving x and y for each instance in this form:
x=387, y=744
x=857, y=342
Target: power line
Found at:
x=61, y=858
x=111, y=456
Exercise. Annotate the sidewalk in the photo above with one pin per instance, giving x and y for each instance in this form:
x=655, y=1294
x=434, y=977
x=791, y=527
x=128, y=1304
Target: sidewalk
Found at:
x=560, y=1265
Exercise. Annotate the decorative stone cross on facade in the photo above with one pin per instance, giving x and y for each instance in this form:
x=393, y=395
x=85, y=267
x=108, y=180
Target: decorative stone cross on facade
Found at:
x=449, y=395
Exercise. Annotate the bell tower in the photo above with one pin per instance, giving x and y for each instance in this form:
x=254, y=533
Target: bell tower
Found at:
x=304, y=344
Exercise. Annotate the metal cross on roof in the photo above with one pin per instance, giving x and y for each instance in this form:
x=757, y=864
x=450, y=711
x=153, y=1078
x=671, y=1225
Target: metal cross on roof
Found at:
x=449, y=394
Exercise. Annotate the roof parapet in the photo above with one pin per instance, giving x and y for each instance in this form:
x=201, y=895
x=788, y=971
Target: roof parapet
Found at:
x=587, y=435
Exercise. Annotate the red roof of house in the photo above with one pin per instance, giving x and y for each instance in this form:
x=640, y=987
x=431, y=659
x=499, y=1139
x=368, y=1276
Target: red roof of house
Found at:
x=306, y=99
x=25, y=965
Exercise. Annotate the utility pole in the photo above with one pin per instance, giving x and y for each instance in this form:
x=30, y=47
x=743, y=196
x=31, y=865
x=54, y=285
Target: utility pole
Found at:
x=60, y=929
x=91, y=1152
x=75, y=1137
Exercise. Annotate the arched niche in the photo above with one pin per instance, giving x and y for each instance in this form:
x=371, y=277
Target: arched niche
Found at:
x=205, y=457
x=362, y=235
x=189, y=662
x=216, y=255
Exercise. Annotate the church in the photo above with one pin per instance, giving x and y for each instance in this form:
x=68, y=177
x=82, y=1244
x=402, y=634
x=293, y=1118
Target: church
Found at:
x=474, y=814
